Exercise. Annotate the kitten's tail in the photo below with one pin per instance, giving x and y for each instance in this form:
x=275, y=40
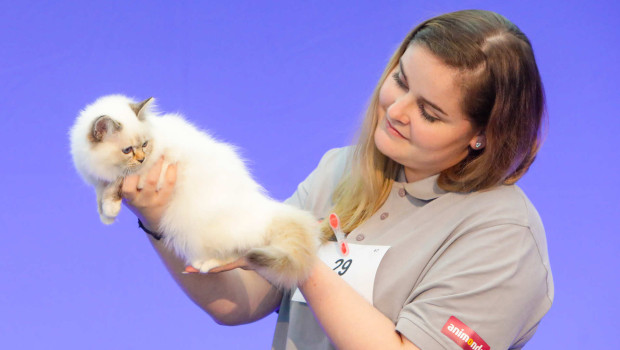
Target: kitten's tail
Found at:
x=292, y=242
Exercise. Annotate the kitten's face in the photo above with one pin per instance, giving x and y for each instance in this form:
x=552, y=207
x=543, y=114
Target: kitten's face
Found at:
x=132, y=151
x=123, y=148
x=119, y=140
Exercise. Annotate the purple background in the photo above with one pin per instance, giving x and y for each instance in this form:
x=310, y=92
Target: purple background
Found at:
x=285, y=82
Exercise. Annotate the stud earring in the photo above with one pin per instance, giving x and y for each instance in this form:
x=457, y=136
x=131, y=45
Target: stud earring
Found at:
x=478, y=144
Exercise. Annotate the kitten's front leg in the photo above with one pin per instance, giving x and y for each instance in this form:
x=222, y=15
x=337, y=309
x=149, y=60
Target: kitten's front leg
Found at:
x=109, y=200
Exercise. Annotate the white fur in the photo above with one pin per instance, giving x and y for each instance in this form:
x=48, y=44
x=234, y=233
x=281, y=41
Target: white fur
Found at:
x=217, y=212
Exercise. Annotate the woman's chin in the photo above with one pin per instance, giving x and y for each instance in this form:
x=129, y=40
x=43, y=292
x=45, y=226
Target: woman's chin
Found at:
x=385, y=144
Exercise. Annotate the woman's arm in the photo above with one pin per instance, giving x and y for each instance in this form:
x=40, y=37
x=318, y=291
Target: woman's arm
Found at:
x=233, y=297
x=348, y=319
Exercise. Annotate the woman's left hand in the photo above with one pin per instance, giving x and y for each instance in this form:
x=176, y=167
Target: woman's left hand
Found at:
x=240, y=263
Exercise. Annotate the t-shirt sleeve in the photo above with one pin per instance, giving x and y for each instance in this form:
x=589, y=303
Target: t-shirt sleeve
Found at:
x=315, y=192
x=490, y=281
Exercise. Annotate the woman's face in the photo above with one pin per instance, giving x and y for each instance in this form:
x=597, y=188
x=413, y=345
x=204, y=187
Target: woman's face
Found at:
x=421, y=125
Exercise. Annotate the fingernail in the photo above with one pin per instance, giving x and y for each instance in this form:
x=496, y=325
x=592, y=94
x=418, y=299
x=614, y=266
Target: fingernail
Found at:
x=190, y=269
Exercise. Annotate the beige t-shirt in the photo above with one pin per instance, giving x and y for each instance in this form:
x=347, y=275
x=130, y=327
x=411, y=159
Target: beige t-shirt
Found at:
x=463, y=271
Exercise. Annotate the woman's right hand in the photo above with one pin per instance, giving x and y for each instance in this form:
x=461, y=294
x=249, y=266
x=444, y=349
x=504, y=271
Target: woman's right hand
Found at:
x=149, y=203
x=234, y=297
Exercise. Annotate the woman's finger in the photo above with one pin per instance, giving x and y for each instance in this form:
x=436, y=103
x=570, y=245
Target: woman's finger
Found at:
x=130, y=187
x=170, y=179
x=190, y=269
x=239, y=263
x=153, y=174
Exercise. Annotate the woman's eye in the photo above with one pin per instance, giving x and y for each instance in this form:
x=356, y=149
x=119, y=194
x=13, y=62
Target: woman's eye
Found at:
x=127, y=150
x=145, y=144
x=401, y=84
x=425, y=114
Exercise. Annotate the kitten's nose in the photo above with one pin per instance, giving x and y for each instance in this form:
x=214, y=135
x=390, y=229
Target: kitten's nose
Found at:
x=139, y=155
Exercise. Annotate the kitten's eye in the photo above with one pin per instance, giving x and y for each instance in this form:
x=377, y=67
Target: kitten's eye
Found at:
x=145, y=143
x=127, y=150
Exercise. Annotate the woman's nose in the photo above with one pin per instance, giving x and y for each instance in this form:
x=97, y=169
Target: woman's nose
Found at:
x=399, y=110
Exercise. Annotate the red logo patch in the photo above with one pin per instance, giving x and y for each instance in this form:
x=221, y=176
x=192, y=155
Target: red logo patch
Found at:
x=464, y=336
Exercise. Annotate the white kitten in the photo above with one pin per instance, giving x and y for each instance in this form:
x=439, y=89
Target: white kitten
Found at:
x=217, y=213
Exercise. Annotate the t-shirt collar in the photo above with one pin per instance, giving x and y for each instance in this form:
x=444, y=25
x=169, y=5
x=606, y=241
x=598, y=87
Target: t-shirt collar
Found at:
x=425, y=189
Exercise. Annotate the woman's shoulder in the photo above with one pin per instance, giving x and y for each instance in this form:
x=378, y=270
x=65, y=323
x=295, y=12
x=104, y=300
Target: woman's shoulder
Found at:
x=507, y=204
x=503, y=206
x=315, y=192
x=500, y=208
x=339, y=157
x=334, y=164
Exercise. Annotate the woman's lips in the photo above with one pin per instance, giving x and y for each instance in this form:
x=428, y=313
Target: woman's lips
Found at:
x=390, y=128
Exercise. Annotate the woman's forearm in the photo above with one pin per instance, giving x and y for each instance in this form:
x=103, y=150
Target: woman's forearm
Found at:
x=233, y=297
x=348, y=319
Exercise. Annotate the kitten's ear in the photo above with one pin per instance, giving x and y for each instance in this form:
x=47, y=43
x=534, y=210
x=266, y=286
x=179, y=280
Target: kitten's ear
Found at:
x=139, y=108
x=102, y=126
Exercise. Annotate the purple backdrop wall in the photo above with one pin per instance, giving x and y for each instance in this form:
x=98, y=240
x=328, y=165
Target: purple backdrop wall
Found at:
x=285, y=82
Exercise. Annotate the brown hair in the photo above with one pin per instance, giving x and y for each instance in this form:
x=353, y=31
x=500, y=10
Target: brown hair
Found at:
x=502, y=95
x=502, y=89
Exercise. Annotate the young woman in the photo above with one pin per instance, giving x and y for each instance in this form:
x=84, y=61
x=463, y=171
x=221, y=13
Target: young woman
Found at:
x=453, y=123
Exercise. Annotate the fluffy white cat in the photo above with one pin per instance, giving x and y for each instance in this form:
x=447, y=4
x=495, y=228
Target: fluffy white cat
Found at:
x=217, y=213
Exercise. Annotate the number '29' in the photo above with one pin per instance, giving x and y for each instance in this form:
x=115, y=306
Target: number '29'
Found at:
x=342, y=266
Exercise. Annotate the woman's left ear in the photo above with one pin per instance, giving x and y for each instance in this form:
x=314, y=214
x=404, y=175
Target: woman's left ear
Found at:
x=478, y=142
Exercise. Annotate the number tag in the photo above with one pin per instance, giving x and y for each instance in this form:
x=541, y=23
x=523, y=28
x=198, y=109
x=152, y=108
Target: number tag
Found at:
x=358, y=268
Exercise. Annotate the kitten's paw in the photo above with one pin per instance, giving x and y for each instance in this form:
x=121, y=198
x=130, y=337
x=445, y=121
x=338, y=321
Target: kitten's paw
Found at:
x=111, y=209
x=108, y=220
x=205, y=265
